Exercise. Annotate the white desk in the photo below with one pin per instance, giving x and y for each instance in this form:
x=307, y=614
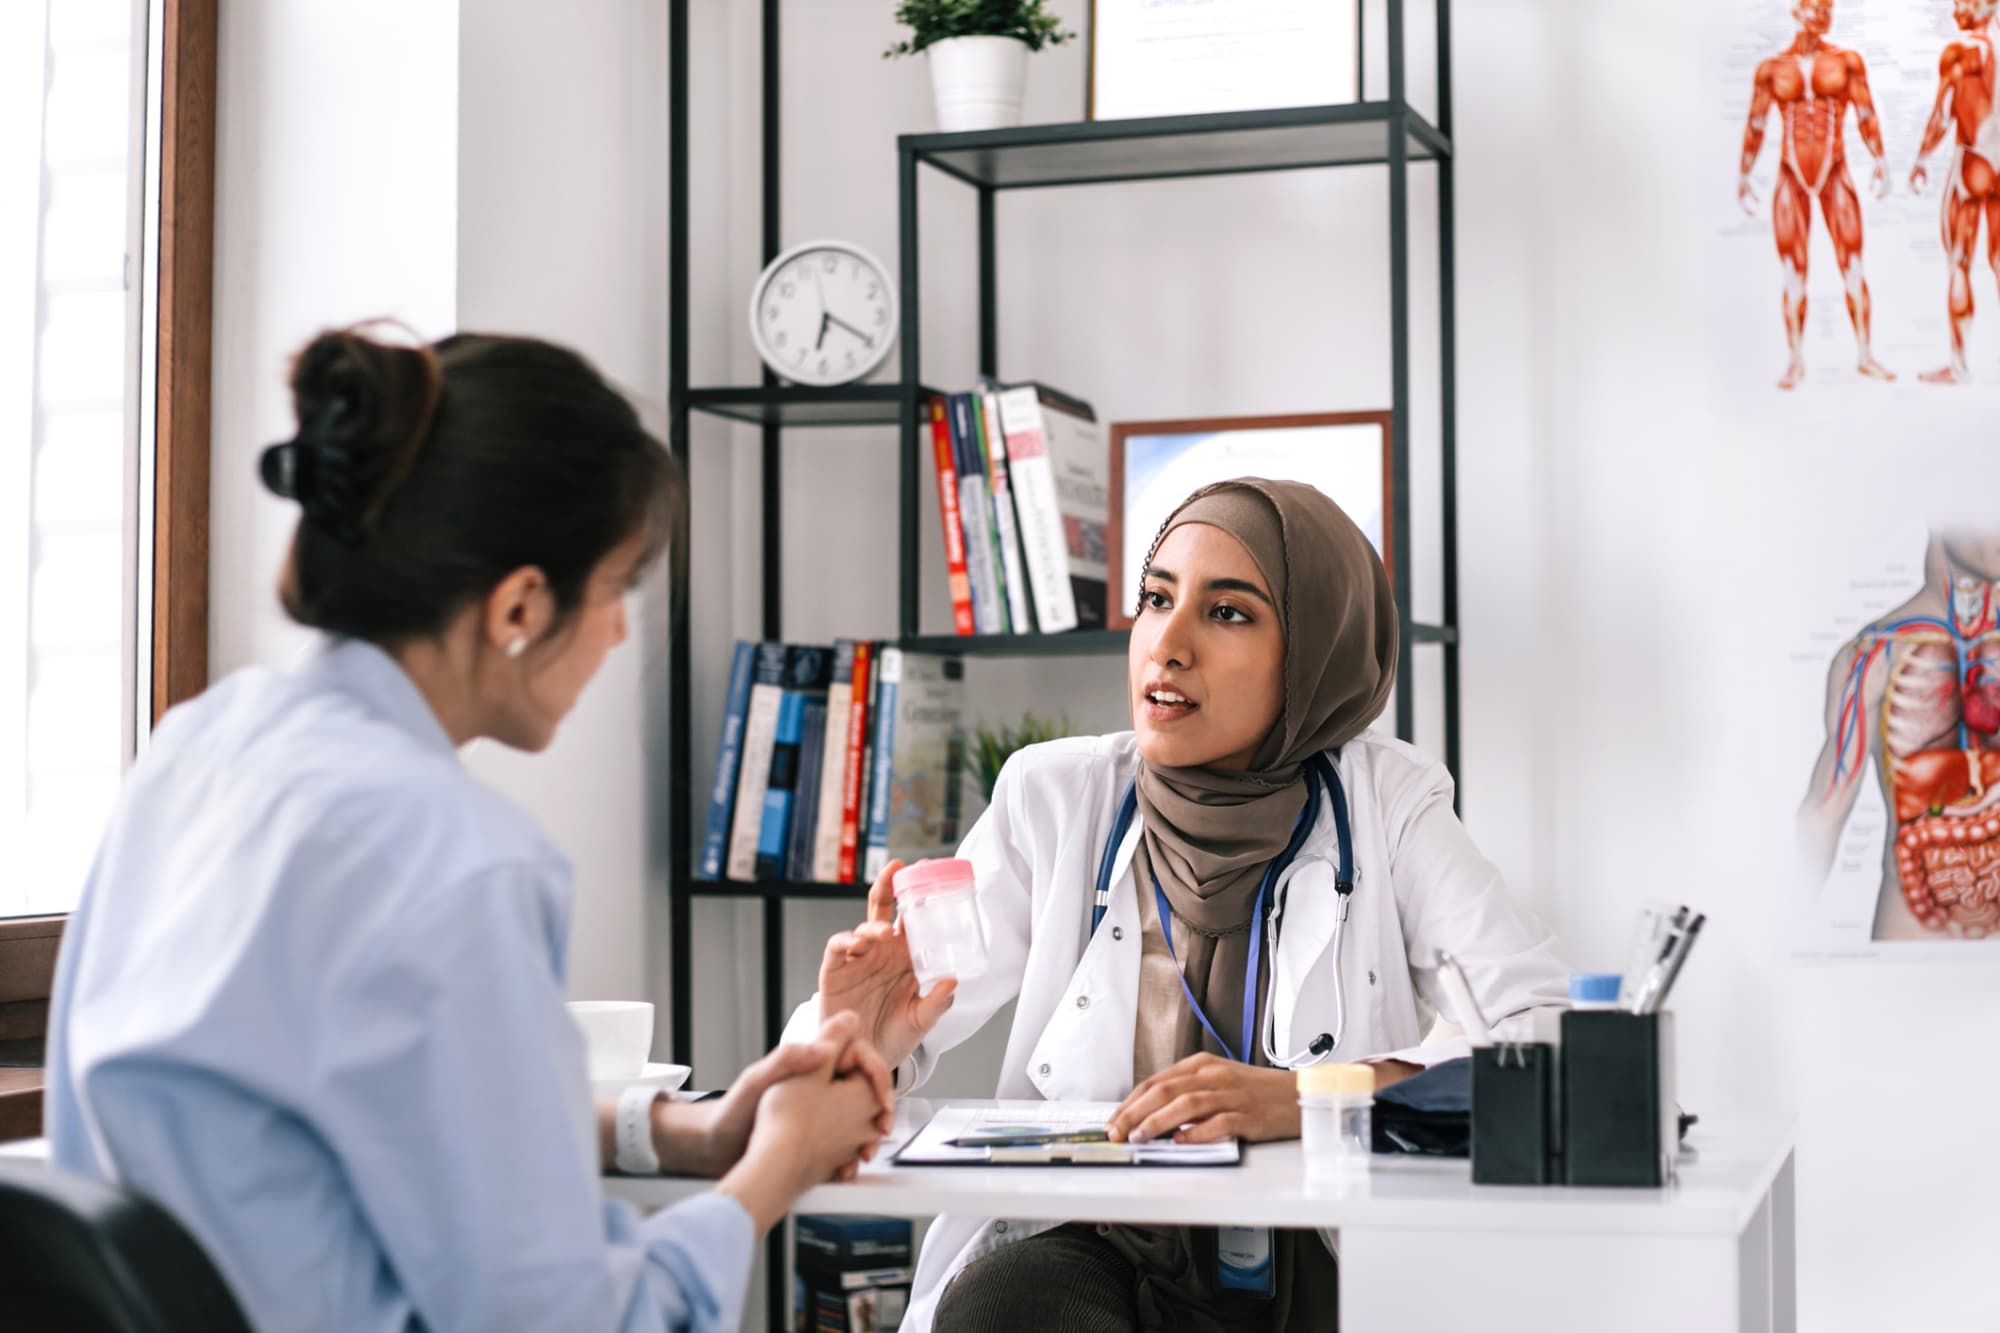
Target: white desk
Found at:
x=1421, y=1247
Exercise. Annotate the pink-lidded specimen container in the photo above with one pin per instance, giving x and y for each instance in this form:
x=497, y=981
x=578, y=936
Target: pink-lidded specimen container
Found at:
x=937, y=906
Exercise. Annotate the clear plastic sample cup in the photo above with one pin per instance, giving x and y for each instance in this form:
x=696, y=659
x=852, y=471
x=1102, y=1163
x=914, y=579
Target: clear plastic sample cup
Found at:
x=1336, y=1118
x=938, y=909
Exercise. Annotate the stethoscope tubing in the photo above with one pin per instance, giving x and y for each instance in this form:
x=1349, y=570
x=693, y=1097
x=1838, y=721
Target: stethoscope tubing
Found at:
x=1322, y=1046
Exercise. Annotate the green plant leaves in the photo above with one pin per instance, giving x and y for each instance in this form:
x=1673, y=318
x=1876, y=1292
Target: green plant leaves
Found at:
x=934, y=20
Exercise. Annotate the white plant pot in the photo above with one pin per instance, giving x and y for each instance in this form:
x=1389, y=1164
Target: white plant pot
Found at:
x=978, y=81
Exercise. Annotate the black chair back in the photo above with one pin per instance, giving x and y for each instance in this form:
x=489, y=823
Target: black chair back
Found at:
x=85, y=1257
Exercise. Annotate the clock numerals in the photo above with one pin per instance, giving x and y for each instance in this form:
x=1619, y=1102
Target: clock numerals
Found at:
x=825, y=315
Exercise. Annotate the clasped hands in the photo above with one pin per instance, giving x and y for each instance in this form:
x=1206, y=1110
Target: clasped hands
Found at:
x=825, y=1104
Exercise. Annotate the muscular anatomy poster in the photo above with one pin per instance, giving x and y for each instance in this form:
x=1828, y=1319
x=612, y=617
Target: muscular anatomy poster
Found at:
x=1859, y=230
x=1898, y=816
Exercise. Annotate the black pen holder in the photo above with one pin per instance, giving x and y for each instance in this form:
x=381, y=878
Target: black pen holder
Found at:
x=1514, y=1138
x=1620, y=1120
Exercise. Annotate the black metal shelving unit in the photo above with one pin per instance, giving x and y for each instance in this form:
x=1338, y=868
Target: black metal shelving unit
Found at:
x=1386, y=134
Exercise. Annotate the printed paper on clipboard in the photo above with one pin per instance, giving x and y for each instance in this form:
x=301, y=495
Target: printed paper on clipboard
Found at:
x=932, y=1145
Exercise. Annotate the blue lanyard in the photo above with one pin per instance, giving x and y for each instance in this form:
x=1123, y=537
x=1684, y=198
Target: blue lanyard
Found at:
x=1317, y=770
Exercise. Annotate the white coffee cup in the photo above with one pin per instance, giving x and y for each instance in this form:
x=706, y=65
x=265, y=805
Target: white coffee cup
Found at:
x=617, y=1036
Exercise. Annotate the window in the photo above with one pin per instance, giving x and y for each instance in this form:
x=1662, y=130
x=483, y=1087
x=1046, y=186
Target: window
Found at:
x=71, y=108
x=106, y=169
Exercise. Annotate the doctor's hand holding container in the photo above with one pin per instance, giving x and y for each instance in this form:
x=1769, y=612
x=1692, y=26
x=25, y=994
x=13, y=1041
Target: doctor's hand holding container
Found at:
x=1248, y=882
x=312, y=1001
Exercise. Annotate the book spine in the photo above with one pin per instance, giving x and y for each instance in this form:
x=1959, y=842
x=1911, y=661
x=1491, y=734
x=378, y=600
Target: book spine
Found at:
x=825, y=867
x=975, y=510
x=854, y=778
x=728, y=755
x=805, y=808
x=954, y=531
x=1036, y=503
x=781, y=791
x=1082, y=467
x=885, y=753
x=984, y=458
x=760, y=729
x=1014, y=575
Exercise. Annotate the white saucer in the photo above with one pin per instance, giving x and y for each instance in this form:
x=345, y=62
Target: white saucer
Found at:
x=666, y=1078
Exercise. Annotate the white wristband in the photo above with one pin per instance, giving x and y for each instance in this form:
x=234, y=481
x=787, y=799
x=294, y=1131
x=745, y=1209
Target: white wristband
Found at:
x=635, y=1155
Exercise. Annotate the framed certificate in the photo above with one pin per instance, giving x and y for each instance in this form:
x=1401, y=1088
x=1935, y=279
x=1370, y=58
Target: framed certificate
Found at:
x=1157, y=464
x=1181, y=57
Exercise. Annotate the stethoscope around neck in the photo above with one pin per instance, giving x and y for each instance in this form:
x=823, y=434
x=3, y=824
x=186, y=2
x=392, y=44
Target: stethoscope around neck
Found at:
x=1320, y=775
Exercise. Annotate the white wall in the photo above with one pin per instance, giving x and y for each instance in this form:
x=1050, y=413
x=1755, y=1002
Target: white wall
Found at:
x=336, y=200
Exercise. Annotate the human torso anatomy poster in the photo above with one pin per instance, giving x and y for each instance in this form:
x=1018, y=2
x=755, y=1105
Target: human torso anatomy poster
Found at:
x=1858, y=225
x=1898, y=820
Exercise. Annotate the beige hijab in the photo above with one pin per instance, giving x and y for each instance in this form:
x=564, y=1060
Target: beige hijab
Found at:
x=1208, y=835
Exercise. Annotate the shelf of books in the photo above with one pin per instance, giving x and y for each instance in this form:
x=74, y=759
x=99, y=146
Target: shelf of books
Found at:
x=1023, y=481
x=829, y=758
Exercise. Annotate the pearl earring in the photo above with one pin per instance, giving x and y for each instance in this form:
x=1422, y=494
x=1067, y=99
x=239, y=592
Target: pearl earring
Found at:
x=518, y=646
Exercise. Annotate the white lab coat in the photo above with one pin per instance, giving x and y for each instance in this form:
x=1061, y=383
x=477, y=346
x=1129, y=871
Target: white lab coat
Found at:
x=1420, y=886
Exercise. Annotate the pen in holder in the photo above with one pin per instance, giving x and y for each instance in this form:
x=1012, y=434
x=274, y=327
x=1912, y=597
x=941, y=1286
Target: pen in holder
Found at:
x=1514, y=1138
x=1620, y=1121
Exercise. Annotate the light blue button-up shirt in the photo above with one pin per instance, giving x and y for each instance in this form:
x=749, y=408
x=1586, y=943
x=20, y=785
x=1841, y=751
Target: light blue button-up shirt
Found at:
x=312, y=1003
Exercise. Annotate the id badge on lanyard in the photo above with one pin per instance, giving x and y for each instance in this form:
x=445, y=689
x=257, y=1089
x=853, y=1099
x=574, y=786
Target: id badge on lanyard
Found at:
x=1243, y=1260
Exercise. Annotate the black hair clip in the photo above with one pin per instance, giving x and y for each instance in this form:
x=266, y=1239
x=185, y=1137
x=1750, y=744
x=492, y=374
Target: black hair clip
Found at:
x=314, y=469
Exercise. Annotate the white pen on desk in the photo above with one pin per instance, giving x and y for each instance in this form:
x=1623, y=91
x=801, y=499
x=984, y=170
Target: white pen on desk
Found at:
x=1460, y=991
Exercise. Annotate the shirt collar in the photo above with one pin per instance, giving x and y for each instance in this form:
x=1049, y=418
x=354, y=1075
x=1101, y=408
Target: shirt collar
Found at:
x=365, y=671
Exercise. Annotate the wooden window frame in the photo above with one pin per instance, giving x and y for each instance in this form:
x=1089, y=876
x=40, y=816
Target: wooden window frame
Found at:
x=184, y=344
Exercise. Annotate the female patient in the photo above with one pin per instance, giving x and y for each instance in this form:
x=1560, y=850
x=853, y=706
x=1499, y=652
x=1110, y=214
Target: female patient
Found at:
x=1264, y=644
x=312, y=1001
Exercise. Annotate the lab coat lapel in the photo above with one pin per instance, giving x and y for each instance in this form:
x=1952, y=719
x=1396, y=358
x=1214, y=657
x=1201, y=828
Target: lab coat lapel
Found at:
x=1084, y=1052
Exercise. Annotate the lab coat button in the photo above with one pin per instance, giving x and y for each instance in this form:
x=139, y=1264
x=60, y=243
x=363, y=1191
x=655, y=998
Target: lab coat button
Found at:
x=1045, y=1071
x=1083, y=1002
x=999, y=1228
x=1118, y=932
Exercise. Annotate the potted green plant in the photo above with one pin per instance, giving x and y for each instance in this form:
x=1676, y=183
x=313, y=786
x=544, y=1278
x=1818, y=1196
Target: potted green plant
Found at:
x=978, y=54
x=989, y=749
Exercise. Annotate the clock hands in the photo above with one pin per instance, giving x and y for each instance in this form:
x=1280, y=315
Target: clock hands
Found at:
x=829, y=318
x=819, y=285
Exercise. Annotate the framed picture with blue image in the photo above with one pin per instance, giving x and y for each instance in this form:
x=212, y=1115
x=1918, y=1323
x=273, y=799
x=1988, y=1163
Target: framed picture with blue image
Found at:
x=1157, y=464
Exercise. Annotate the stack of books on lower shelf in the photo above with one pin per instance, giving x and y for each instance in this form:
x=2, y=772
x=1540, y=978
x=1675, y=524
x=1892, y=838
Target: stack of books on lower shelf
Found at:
x=853, y=1274
x=1023, y=481
x=832, y=760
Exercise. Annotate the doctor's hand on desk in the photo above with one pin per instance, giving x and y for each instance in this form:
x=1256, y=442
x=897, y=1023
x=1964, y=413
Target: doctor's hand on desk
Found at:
x=1205, y=1097
x=867, y=972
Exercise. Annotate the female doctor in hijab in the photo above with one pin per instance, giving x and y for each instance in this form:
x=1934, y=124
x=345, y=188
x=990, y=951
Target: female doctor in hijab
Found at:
x=1122, y=878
